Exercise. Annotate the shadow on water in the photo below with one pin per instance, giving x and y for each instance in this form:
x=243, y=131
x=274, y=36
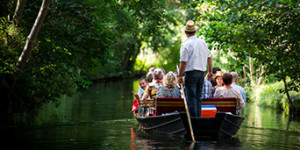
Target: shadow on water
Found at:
x=100, y=118
x=144, y=140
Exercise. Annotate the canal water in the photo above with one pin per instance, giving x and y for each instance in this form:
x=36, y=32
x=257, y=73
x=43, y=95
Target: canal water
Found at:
x=100, y=118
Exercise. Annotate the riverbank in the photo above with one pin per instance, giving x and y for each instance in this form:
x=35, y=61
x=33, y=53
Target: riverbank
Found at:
x=116, y=76
x=265, y=95
x=268, y=95
x=100, y=118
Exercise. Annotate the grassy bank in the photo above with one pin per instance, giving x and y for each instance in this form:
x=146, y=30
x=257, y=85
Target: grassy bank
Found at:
x=268, y=95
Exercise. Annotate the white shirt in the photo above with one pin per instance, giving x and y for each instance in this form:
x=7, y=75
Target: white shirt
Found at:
x=234, y=85
x=195, y=52
x=232, y=92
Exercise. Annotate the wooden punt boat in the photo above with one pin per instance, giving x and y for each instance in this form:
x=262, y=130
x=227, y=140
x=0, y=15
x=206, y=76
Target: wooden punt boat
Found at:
x=171, y=119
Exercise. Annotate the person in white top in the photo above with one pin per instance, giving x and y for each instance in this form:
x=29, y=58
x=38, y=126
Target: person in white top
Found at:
x=194, y=57
x=228, y=91
x=235, y=79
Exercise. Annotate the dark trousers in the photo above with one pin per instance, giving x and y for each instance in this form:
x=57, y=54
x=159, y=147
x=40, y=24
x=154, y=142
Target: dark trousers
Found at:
x=193, y=91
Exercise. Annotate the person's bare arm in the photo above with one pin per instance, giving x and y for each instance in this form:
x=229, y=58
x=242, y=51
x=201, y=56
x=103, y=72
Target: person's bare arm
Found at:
x=147, y=93
x=209, y=68
x=145, y=96
x=209, y=64
x=182, y=67
x=136, y=95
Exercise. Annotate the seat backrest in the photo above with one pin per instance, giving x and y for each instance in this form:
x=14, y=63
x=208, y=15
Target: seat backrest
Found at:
x=222, y=104
x=146, y=104
x=166, y=105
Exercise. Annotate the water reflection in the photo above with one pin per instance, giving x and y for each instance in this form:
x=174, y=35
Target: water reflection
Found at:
x=266, y=118
x=149, y=141
x=100, y=118
x=268, y=129
x=102, y=101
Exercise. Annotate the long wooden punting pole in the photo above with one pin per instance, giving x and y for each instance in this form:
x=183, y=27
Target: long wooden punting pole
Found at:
x=187, y=109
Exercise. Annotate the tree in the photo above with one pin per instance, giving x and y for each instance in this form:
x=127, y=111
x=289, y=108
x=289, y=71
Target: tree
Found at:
x=79, y=41
x=30, y=42
x=46, y=68
x=132, y=26
x=19, y=10
x=264, y=30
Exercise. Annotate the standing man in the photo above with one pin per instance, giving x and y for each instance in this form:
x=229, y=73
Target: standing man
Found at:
x=194, y=56
x=235, y=79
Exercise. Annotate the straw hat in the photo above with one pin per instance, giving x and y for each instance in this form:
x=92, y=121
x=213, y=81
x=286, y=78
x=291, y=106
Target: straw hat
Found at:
x=218, y=74
x=190, y=26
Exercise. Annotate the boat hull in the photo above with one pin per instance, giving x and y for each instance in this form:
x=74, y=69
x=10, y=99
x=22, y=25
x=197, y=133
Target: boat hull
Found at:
x=170, y=124
x=223, y=125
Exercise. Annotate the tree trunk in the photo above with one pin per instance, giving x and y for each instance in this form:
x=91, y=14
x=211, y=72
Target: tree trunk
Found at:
x=245, y=73
x=291, y=104
x=252, y=80
x=261, y=77
x=137, y=51
x=130, y=58
x=30, y=42
x=31, y=39
x=19, y=11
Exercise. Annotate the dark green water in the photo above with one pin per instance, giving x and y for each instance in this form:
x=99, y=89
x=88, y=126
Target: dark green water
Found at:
x=100, y=118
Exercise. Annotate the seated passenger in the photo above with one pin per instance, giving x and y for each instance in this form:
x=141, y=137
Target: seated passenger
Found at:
x=235, y=79
x=150, y=77
x=219, y=81
x=206, y=90
x=158, y=76
x=143, y=84
x=170, y=88
x=151, y=69
x=151, y=89
x=212, y=79
x=228, y=91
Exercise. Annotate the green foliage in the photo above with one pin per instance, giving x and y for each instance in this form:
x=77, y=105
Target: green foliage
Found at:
x=166, y=57
x=11, y=41
x=268, y=95
x=265, y=30
x=136, y=25
x=6, y=7
x=169, y=57
x=79, y=41
x=64, y=49
x=265, y=94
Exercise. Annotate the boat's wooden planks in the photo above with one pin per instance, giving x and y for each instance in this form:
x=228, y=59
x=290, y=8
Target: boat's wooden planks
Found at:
x=165, y=105
x=222, y=126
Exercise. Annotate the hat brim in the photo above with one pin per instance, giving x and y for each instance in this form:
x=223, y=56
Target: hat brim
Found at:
x=218, y=76
x=189, y=30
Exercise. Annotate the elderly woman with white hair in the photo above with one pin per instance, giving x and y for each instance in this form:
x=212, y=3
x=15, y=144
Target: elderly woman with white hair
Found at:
x=151, y=89
x=170, y=88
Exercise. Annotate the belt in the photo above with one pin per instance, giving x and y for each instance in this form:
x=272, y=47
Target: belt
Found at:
x=194, y=71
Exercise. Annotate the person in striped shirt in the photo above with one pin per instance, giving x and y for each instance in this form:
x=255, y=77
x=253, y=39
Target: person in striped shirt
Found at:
x=207, y=89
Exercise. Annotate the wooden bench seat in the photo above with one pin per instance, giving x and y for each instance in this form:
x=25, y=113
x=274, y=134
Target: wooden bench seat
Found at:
x=148, y=103
x=166, y=105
